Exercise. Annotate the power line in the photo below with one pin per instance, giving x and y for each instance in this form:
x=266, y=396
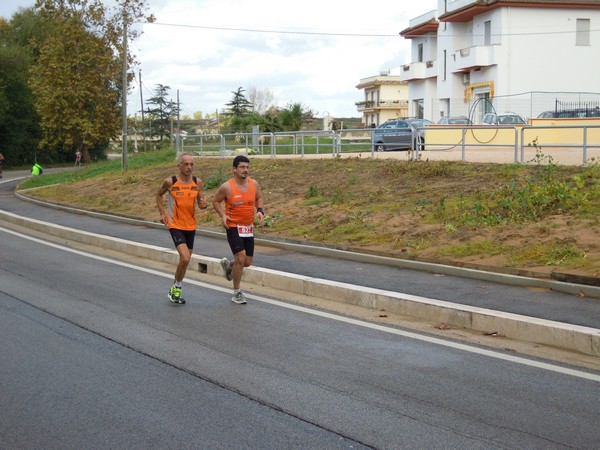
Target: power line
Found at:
x=253, y=30
x=323, y=33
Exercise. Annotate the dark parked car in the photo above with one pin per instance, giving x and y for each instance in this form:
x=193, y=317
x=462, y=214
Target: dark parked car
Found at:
x=503, y=119
x=571, y=113
x=459, y=120
x=399, y=134
x=419, y=123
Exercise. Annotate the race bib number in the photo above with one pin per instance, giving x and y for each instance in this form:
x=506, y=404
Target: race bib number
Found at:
x=246, y=230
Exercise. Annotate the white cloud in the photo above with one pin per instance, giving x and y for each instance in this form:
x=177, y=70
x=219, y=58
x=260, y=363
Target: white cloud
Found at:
x=187, y=51
x=315, y=67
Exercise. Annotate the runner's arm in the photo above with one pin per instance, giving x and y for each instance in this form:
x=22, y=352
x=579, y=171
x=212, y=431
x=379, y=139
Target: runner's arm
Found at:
x=221, y=196
x=167, y=184
x=258, y=203
x=201, y=198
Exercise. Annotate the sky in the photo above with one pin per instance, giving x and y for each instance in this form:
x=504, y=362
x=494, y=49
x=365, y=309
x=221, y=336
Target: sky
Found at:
x=312, y=52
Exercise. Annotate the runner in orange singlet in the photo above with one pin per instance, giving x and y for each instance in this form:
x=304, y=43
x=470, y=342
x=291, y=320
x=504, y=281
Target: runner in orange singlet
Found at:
x=185, y=191
x=241, y=195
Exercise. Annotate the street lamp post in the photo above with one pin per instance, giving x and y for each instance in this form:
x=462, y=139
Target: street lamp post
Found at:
x=326, y=120
x=124, y=94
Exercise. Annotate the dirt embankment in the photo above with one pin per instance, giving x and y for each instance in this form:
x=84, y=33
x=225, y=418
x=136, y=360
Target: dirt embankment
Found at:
x=390, y=207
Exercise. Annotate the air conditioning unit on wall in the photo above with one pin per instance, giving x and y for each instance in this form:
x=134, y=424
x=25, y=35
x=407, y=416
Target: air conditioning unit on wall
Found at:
x=466, y=78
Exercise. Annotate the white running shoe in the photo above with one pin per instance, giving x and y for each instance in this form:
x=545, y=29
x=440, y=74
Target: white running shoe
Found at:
x=226, y=265
x=239, y=298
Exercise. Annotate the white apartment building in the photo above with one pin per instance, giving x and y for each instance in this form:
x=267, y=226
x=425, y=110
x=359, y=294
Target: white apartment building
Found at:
x=524, y=56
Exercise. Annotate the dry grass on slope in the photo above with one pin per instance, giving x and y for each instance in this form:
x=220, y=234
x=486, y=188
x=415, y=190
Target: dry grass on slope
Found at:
x=453, y=212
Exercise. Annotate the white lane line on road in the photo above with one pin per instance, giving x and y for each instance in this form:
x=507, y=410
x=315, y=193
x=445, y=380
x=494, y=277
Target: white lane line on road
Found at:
x=331, y=316
x=8, y=180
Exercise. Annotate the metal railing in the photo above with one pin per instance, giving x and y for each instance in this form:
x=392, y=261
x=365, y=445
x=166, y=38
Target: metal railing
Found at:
x=466, y=143
x=473, y=137
x=273, y=144
x=584, y=144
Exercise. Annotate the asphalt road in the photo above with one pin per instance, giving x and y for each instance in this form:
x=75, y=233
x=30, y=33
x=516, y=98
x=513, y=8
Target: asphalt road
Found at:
x=538, y=303
x=94, y=356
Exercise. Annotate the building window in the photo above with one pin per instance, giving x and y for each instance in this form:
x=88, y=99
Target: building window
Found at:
x=487, y=33
x=418, y=108
x=582, y=35
x=483, y=104
x=420, y=53
x=445, y=65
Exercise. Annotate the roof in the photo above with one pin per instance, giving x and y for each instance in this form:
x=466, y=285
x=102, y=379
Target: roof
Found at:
x=380, y=81
x=430, y=26
x=467, y=12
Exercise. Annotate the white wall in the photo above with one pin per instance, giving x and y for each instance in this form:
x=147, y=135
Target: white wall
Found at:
x=429, y=48
x=549, y=60
x=534, y=50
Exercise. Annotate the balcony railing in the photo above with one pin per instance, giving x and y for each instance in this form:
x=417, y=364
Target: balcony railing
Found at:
x=414, y=71
x=470, y=57
x=381, y=104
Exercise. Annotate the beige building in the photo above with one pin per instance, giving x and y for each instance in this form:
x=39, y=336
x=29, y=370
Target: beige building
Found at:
x=385, y=98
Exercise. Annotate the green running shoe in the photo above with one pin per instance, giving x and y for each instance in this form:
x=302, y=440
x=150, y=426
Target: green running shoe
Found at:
x=175, y=295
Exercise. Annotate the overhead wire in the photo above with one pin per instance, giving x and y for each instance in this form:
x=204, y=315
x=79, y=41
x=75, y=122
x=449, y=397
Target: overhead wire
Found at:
x=338, y=34
x=257, y=30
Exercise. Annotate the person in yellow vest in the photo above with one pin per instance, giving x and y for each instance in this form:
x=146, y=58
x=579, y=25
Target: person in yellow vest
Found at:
x=241, y=195
x=37, y=169
x=185, y=192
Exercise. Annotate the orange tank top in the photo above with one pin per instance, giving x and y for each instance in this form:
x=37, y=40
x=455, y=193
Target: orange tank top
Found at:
x=182, y=208
x=239, y=206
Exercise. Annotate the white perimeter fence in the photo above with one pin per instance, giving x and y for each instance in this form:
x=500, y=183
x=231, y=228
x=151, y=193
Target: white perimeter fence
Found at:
x=566, y=145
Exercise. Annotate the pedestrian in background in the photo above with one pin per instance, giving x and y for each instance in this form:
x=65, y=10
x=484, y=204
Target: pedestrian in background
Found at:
x=36, y=170
x=78, y=158
x=185, y=192
x=1, y=164
x=241, y=195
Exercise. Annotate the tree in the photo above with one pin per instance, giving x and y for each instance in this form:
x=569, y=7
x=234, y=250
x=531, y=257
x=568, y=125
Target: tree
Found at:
x=239, y=104
x=262, y=100
x=161, y=112
x=19, y=122
x=76, y=98
x=20, y=132
x=295, y=116
x=77, y=76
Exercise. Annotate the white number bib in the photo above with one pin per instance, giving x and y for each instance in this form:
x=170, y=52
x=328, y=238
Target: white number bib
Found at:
x=246, y=230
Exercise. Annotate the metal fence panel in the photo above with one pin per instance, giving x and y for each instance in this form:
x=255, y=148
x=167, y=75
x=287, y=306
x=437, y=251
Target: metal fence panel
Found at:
x=570, y=144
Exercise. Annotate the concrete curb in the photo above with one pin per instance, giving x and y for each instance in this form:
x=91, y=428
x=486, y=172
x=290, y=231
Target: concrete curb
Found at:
x=482, y=275
x=572, y=337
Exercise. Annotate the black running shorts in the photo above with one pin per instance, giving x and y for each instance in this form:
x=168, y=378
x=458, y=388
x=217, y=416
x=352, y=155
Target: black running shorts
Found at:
x=183, y=237
x=237, y=243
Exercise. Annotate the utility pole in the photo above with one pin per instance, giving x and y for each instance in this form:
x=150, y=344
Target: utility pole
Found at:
x=178, y=125
x=124, y=93
x=142, y=105
x=171, y=120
